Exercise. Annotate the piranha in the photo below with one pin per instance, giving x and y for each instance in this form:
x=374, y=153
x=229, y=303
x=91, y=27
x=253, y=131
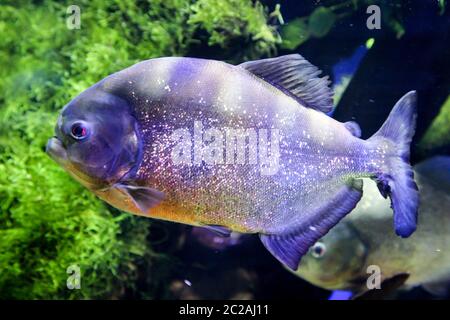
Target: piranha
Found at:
x=246, y=148
x=344, y=259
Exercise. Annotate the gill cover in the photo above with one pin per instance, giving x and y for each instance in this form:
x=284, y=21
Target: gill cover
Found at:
x=99, y=135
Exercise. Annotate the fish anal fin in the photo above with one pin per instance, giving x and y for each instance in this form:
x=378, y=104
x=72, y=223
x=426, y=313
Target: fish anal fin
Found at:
x=289, y=247
x=144, y=198
x=297, y=77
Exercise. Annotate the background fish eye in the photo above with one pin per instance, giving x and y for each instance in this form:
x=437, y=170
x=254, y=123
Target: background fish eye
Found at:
x=318, y=250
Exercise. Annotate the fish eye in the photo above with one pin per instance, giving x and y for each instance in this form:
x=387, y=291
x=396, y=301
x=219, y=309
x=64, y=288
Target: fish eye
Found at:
x=79, y=131
x=318, y=250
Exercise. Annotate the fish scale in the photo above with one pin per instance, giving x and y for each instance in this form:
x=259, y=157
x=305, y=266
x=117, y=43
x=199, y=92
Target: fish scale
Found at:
x=261, y=117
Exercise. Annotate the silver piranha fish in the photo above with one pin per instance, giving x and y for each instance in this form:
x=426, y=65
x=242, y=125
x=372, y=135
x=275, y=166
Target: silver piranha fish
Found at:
x=340, y=260
x=246, y=148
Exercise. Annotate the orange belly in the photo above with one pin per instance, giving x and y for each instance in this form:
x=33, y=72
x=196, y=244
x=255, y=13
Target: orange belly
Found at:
x=164, y=211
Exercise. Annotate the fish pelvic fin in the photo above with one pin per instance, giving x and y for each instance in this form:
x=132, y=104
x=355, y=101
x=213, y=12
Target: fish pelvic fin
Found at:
x=289, y=247
x=219, y=230
x=398, y=183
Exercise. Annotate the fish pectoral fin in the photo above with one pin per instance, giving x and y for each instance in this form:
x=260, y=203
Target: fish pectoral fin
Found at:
x=219, y=230
x=388, y=287
x=144, y=198
x=295, y=75
x=289, y=247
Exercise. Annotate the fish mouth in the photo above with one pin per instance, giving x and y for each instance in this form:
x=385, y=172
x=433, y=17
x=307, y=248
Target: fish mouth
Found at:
x=56, y=151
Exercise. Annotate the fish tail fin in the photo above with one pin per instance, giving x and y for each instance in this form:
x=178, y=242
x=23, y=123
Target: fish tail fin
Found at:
x=398, y=182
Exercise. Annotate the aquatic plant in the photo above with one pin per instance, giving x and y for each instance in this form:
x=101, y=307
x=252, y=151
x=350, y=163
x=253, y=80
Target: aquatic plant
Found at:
x=438, y=134
x=236, y=21
x=442, y=4
x=322, y=19
x=49, y=222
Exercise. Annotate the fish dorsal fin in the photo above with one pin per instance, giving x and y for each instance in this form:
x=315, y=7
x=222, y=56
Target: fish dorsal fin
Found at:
x=295, y=75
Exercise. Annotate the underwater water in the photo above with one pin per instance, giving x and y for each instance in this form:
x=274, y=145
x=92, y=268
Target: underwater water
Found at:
x=59, y=241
